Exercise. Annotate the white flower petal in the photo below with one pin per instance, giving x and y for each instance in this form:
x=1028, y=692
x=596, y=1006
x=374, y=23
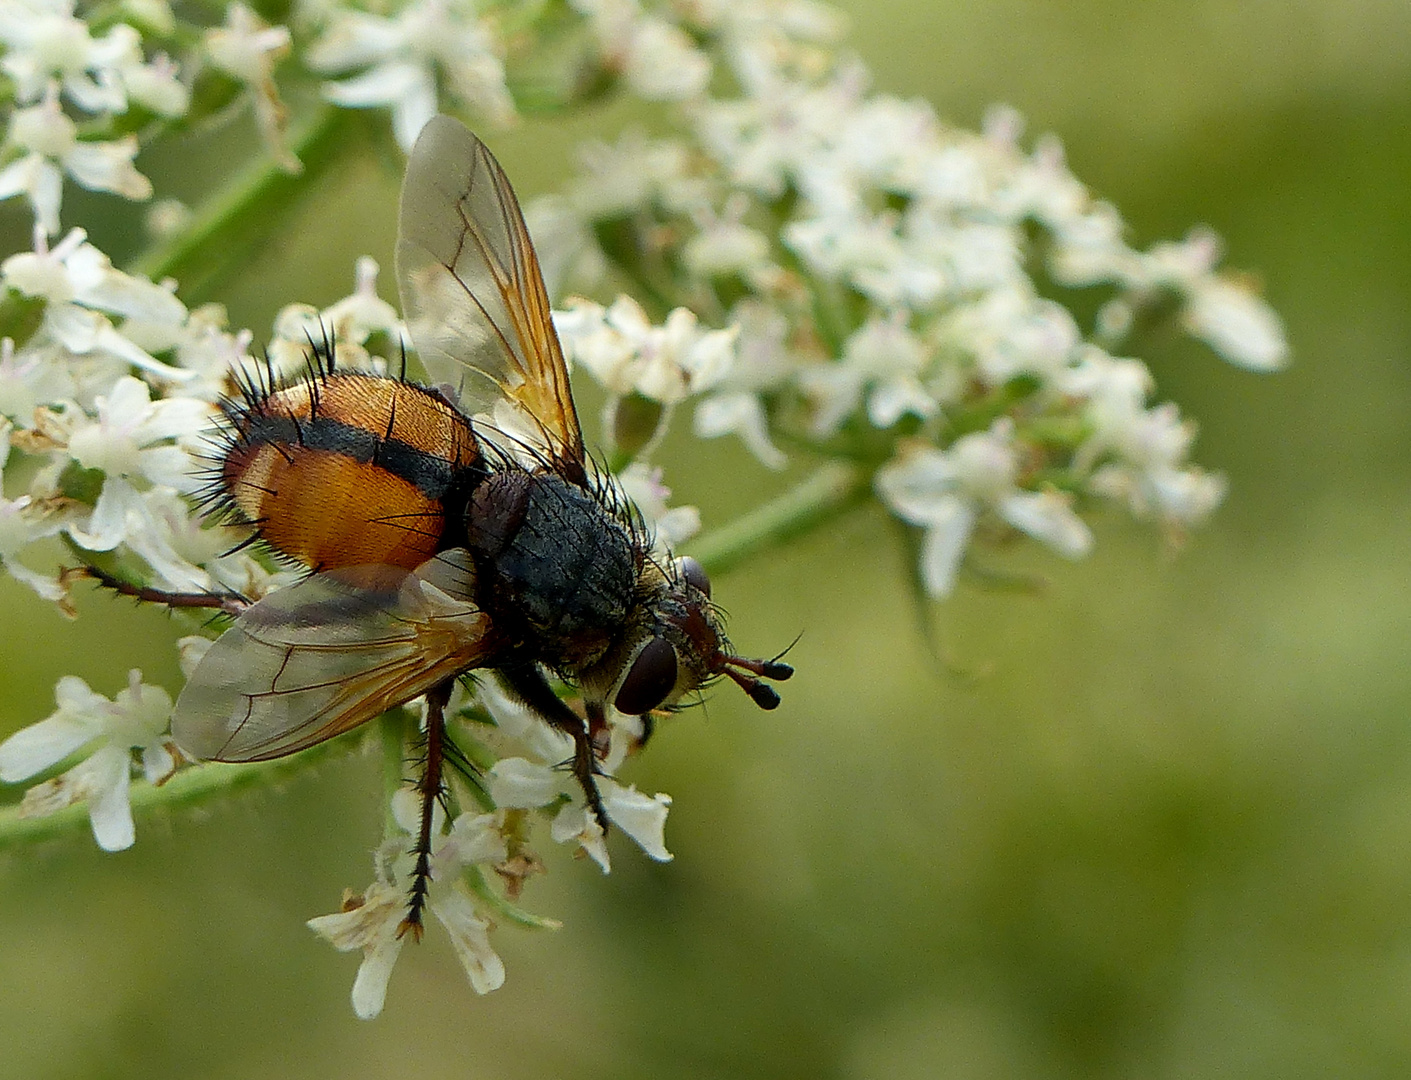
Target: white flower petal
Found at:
x=413, y=111
x=372, y=926
x=918, y=485
x=1238, y=325
x=109, y=775
x=574, y=824
x=118, y=503
x=107, y=166
x=370, y=986
x=482, y=964
x=35, y=748
x=49, y=588
x=384, y=84
x=473, y=839
x=640, y=816
x=1048, y=516
x=516, y=783
x=158, y=764
x=952, y=521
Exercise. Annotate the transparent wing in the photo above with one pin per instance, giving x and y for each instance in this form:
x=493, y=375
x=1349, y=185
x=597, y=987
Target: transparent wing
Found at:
x=472, y=292
x=319, y=658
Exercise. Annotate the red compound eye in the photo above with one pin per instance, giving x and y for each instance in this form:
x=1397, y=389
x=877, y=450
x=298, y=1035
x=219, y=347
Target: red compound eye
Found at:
x=651, y=678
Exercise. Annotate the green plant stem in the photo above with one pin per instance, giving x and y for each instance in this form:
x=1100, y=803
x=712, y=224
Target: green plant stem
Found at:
x=831, y=491
x=188, y=788
x=237, y=218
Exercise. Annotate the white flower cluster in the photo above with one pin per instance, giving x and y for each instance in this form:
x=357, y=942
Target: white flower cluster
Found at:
x=108, y=460
x=406, y=61
x=826, y=270
x=476, y=845
x=109, y=731
x=883, y=272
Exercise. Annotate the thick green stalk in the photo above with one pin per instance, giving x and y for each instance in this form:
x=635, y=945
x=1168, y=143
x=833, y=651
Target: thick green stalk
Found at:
x=833, y=490
x=190, y=787
x=239, y=217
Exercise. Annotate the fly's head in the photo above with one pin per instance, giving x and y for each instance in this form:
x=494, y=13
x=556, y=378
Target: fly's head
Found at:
x=677, y=645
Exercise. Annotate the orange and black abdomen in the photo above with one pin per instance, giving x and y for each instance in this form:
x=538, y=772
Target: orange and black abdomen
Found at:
x=347, y=469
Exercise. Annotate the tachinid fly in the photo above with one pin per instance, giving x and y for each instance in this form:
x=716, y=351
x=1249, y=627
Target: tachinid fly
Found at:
x=436, y=542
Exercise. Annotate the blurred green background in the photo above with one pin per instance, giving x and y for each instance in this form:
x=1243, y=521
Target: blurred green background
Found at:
x=1168, y=834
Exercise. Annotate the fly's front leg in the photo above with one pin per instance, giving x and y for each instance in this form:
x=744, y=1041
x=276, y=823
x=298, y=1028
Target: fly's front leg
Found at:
x=527, y=682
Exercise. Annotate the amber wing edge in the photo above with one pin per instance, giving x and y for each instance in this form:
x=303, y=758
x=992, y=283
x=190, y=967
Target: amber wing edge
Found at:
x=473, y=294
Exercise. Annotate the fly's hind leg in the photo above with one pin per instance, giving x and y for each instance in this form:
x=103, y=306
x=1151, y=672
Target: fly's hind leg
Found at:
x=526, y=682
x=230, y=603
x=431, y=787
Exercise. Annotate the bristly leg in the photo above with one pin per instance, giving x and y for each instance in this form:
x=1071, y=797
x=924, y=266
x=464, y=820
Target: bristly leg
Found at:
x=527, y=683
x=230, y=603
x=431, y=788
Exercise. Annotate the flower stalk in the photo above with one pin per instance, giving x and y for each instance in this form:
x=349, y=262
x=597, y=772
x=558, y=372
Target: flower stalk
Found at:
x=215, y=243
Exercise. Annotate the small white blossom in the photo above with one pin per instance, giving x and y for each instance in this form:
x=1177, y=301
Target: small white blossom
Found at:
x=881, y=365
x=781, y=130
x=51, y=148
x=725, y=244
x=1089, y=248
x=135, y=720
x=373, y=921
x=1011, y=332
x=518, y=782
x=132, y=435
x=627, y=354
x=658, y=60
x=630, y=174
x=1177, y=497
x=46, y=43
x=1041, y=187
x=247, y=49
x=1142, y=450
x=82, y=288
x=158, y=86
x=945, y=491
x=404, y=57
x=131, y=440
x=850, y=245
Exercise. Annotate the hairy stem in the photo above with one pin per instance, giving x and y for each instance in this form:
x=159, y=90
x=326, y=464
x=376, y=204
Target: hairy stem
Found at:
x=189, y=787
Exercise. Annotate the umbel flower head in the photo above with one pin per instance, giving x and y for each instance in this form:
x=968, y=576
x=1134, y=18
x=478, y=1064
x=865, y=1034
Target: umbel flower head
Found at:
x=831, y=274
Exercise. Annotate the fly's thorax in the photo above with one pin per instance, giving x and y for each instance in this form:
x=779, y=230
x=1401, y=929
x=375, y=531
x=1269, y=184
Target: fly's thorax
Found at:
x=346, y=469
x=556, y=570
